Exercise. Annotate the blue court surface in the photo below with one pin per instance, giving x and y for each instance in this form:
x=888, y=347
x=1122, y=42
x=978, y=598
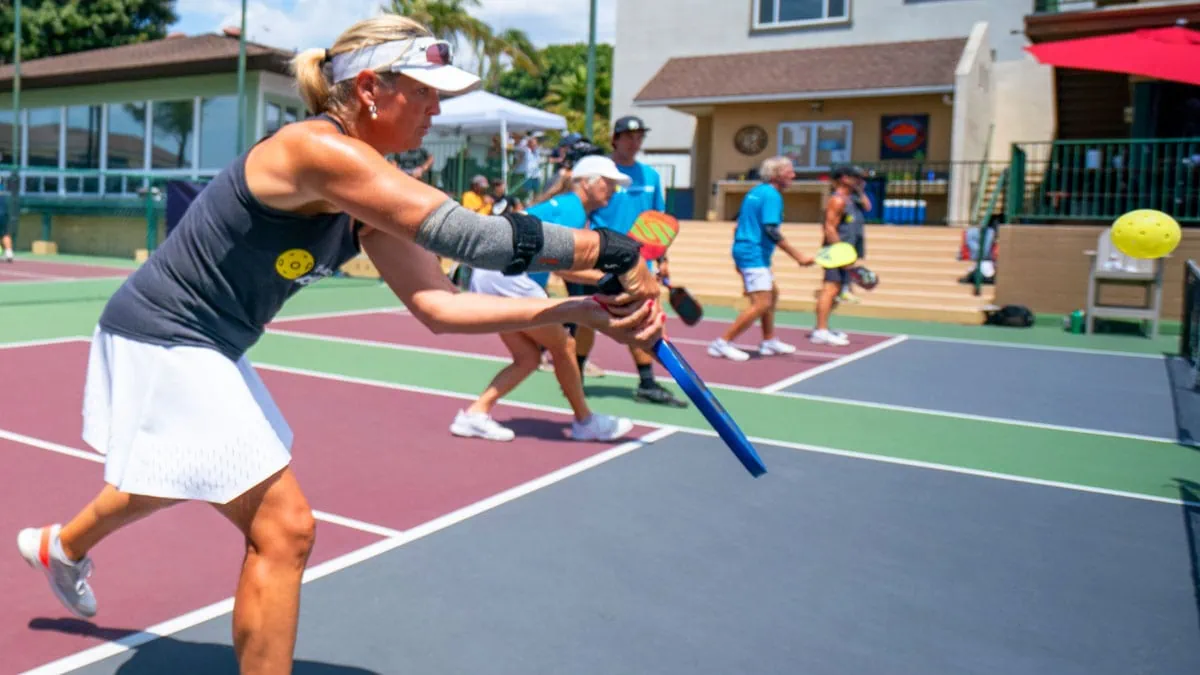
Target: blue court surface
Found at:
x=828, y=565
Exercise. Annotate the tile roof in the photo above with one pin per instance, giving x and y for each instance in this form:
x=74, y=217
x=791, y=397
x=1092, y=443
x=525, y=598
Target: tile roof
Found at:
x=168, y=57
x=894, y=65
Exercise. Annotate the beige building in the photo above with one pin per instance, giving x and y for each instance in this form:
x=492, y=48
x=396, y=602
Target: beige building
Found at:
x=923, y=91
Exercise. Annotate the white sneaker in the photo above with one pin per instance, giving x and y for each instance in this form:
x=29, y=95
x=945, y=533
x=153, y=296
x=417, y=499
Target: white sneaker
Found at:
x=601, y=428
x=775, y=346
x=479, y=425
x=39, y=547
x=826, y=337
x=722, y=349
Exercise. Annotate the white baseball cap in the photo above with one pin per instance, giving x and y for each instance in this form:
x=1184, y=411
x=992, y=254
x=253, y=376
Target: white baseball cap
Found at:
x=599, y=165
x=425, y=59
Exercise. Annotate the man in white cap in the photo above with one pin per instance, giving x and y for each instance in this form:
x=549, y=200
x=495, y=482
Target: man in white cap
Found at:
x=594, y=180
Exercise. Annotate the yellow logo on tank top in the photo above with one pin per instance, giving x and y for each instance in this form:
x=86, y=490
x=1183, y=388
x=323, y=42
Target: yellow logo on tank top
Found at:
x=294, y=263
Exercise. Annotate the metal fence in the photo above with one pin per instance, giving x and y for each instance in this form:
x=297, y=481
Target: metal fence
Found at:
x=931, y=193
x=1098, y=180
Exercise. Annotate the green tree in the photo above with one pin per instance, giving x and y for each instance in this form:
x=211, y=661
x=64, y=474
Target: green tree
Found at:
x=52, y=27
x=451, y=20
x=560, y=86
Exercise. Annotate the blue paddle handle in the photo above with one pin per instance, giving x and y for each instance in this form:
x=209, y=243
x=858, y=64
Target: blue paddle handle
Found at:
x=698, y=392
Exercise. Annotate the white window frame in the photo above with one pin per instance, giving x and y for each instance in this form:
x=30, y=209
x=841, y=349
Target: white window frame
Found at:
x=812, y=126
x=776, y=23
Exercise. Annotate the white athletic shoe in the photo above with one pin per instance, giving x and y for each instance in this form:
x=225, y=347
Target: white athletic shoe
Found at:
x=40, y=548
x=719, y=348
x=774, y=347
x=601, y=428
x=479, y=425
x=826, y=337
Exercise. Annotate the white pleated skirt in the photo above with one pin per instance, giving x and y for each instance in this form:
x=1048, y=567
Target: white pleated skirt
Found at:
x=180, y=422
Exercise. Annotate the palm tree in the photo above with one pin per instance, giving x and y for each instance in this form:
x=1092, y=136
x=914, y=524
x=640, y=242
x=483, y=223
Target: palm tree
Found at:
x=451, y=20
x=448, y=20
x=512, y=43
x=567, y=96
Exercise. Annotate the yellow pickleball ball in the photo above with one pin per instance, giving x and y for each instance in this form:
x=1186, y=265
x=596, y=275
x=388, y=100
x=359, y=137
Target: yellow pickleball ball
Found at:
x=1146, y=233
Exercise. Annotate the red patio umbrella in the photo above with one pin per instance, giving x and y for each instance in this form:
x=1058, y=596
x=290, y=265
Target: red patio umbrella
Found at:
x=1161, y=53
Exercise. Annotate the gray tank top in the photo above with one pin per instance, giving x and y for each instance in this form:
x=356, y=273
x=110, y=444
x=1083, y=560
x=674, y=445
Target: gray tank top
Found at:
x=227, y=268
x=853, y=222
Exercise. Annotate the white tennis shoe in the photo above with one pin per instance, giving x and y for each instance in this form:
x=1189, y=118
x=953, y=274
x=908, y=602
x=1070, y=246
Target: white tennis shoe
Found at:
x=601, y=428
x=722, y=349
x=775, y=347
x=826, y=337
x=40, y=548
x=479, y=425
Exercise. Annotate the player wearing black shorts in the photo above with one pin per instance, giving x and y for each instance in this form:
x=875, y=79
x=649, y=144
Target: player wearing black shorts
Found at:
x=845, y=219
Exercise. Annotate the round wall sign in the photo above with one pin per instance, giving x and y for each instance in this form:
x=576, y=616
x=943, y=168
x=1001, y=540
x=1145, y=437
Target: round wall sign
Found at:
x=750, y=140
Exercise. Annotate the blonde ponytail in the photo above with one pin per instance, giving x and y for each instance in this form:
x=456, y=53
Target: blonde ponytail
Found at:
x=309, y=69
x=309, y=66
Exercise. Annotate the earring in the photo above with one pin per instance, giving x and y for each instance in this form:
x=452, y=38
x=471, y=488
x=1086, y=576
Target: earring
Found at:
x=374, y=112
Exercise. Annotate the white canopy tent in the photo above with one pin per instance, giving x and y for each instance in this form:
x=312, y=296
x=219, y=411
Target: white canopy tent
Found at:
x=482, y=112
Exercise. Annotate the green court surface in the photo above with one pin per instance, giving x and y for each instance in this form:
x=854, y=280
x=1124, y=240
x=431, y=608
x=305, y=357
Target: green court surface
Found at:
x=1143, y=465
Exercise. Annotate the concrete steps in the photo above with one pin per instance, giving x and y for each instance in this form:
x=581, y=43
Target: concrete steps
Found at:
x=918, y=269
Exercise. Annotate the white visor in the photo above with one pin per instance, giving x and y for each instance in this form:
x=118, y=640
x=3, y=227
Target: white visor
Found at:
x=599, y=165
x=425, y=59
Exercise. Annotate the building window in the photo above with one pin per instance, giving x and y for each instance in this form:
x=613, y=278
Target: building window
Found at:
x=42, y=128
x=815, y=146
x=6, y=145
x=173, y=129
x=83, y=147
x=783, y=13
x=218, y=132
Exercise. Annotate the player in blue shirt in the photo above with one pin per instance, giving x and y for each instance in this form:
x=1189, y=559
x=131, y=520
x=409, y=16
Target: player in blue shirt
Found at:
x=592, y=183
x=645, y=193
x=754, y=243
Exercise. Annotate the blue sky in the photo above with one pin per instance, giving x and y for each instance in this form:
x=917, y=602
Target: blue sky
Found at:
x=299, y=24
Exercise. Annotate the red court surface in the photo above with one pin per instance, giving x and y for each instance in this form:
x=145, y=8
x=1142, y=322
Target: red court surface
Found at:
x=374, y=454
x=404, y=330
x=170, y=564
x=38, y=270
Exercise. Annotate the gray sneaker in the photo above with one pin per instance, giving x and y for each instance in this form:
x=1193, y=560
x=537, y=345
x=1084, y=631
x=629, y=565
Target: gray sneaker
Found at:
x=67, y=580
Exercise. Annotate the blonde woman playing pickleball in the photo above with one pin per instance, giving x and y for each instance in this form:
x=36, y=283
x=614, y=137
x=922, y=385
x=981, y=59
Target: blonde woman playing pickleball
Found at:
x=757, y=236
x=170, y=398
x=593, y=182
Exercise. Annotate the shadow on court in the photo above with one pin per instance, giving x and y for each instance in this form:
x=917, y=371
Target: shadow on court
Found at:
x=1185, y=400
x=168, y=655
x=1189, y=493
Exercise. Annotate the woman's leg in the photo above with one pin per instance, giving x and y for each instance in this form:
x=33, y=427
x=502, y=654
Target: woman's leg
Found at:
x=587, y=427
x=108, y=512
x=561, y=347
x=476, y=420
x=279, y=528
x=61, y=551
x=526, y=357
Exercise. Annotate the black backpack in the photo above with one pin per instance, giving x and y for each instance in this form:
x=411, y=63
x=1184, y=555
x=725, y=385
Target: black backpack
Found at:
x=1015, y=316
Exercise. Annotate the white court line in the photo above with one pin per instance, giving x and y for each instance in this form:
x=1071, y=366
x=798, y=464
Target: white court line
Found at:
x=733, y=387
x=97, y=458
x=754, y=439
x=42, y=342
x=825, y=368
x=34, y=275
x=177, y=624
x=339, y=314
x=62, y=280
x=758, y=439
x=971, y=341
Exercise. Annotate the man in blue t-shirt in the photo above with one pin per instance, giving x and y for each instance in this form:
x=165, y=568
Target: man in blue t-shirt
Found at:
x=645, y=193
x=757, y=236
